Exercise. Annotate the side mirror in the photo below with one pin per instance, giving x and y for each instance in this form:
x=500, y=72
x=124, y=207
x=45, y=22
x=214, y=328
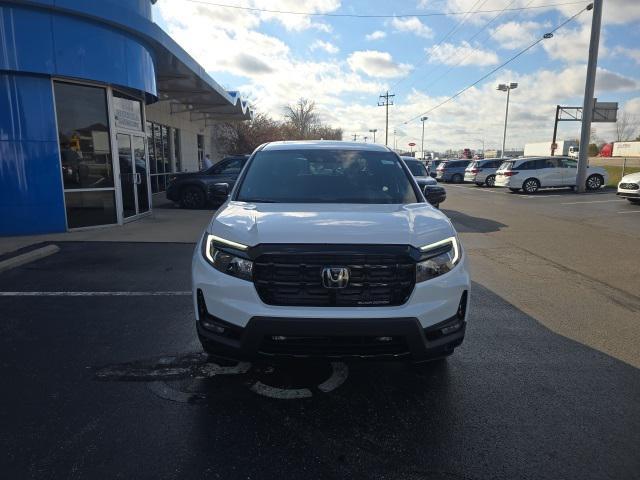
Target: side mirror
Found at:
x=220, y=190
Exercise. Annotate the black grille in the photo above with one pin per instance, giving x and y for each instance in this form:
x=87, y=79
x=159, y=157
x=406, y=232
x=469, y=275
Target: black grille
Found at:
x=629, y=186
x=295, y=279
x=335, y=346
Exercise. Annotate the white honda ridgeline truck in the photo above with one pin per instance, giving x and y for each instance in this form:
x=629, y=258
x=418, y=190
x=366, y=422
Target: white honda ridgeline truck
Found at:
x=329, y=249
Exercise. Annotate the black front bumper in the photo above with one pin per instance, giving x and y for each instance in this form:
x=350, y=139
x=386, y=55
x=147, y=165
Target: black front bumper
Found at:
x=344, y=338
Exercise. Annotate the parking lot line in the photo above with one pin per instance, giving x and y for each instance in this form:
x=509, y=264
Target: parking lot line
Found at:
x=593, y=201
x=630, y=211
x=93, y=294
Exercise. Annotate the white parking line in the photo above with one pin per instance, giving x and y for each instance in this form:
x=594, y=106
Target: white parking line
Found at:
x=93, y=294
x=593, y=201
x=630, y=211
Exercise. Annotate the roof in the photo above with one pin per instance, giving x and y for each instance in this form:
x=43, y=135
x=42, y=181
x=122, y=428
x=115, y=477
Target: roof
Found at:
x=324, y=144
x=178, y=76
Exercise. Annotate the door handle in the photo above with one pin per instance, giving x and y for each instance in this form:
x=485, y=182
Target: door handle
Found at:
x=138, y=179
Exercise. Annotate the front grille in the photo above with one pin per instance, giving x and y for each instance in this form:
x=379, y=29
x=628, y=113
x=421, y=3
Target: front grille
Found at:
x=629, y=186
x=295, y=279
x=334, y=346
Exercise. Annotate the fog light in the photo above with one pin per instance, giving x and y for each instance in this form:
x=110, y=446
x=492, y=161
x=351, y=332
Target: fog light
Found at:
x=213, y=326
x=451, y=328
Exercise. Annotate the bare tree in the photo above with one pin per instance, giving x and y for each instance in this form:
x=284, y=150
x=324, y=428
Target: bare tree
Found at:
x=302, y=117
x=627, y=127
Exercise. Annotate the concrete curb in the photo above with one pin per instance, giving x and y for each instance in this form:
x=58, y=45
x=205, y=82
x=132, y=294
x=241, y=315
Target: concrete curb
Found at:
x=28, y=257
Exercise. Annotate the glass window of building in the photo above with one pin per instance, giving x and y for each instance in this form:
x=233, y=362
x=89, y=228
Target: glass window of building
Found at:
x=160, y=161
x=85, y=154
x=176, y=150
x=200, y=152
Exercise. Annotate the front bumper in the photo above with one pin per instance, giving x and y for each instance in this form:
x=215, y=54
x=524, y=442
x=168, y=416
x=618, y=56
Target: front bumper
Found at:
x=234, y=305
x=629, y=193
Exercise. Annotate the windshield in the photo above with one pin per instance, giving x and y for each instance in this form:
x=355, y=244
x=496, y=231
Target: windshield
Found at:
x=506, y=165
x=417, y=168
x=326, y=176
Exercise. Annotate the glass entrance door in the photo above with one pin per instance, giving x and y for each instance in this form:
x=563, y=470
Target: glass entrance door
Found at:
x=134, y=186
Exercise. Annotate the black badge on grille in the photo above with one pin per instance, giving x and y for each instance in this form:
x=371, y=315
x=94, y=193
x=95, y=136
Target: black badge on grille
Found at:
x=335, y=277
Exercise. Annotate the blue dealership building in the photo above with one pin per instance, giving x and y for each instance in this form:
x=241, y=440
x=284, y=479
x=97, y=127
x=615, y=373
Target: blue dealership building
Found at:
x=98, y=108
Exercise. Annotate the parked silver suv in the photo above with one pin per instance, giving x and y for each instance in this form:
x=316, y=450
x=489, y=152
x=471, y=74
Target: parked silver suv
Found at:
x=483, y=172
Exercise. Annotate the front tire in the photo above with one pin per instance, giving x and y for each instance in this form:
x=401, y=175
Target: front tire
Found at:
x=457, y=178
x=490, y=181
x=531, y=185
x=192, y=197
x=594, y=182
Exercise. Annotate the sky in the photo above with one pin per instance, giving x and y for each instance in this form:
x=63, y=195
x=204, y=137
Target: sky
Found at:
x=344, y=63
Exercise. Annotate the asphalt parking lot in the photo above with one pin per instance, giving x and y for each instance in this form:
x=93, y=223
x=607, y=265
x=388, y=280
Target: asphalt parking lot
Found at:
x=104, y=378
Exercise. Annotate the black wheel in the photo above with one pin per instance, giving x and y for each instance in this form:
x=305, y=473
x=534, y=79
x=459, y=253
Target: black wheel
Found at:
x=192, y=197
x=635, y=201
x=490, y=181
x=457, y=178
x=594, y=182
x=531, y=185
x=514, y=190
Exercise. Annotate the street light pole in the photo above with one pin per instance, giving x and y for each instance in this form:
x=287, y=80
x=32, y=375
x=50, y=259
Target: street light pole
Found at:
x=588, y=104
x=374, y=130
x=503, y=87
x=423, y=119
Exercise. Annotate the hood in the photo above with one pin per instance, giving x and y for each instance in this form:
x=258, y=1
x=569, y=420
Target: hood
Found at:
x=632, y=177
x=415, y=224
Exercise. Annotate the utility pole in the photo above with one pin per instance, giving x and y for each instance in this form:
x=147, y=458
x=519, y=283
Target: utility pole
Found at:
x=355, y=137
x=385, y=101
x=588, y=104
x=394, y=139
x=374, y=130
x=423, y=119
x=506, y=88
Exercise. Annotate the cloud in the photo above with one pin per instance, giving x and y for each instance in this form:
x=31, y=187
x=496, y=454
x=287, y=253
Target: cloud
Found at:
x=297, y=22
x=463, y=54
x=248, y=64
x=377, y=64
x=326, y=46
x=377, y=35
x=512, y=35
x=632, y=53
x=412, y=25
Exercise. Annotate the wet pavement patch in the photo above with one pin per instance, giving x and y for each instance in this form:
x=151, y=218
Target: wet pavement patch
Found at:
x=188, y=378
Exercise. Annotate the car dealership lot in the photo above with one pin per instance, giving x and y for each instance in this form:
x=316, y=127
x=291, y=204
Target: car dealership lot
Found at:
x=104, y=376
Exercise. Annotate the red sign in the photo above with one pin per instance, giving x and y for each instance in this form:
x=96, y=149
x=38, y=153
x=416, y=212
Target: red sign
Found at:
x=412, y=144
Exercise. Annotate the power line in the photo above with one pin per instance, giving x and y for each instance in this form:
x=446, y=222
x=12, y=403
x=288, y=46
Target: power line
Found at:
x=424, y=59
x=491, y=35
x=355, y=15
x=521, y=52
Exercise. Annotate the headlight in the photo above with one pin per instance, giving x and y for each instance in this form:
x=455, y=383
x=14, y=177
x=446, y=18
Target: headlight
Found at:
x=437, y=259
x=224, y=261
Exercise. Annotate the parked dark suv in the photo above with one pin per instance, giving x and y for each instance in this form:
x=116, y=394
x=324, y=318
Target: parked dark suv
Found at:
x=434, y=193
x=195, y=190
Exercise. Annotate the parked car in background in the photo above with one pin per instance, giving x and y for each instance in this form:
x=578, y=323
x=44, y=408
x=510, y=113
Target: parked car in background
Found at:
x=195, y=190
x=434, y=193
x=532, y=173
x=629, y=187
x=432, y=165
x=452, y=170
x=483, y=172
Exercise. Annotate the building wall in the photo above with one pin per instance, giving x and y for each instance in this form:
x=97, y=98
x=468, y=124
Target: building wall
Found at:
x=160, y=112
x=31, y=199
